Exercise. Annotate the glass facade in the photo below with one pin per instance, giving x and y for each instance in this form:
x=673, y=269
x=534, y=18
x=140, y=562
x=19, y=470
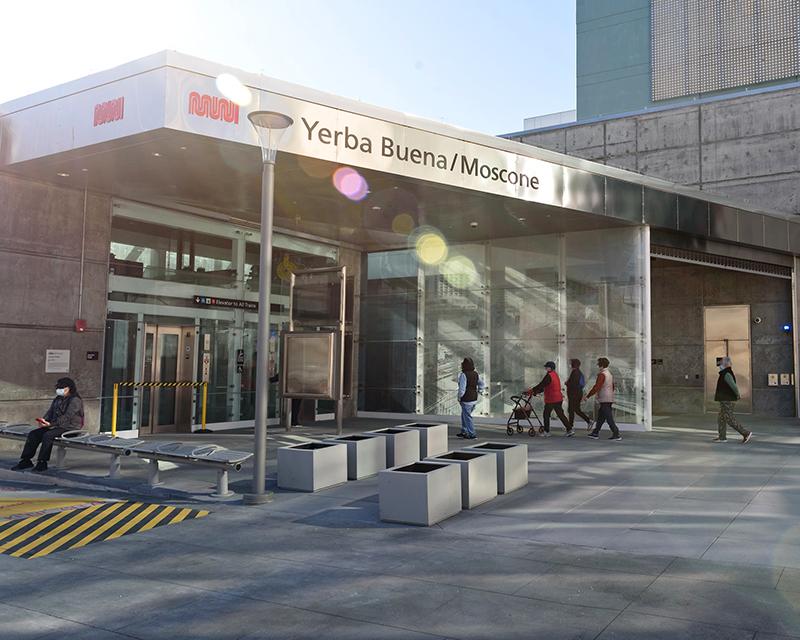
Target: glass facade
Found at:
x=510, y=305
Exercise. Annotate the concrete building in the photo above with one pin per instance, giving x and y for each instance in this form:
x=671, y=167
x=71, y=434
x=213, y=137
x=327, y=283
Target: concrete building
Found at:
x=129, y=204
x=705, y=95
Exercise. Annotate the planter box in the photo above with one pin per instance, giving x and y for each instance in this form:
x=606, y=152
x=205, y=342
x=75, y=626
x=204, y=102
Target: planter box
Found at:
x=366, y=455
x=422, y=493
x=432, y=437
x=512, y=464
x=402, y=445
x=312, y=466
x=478, y=475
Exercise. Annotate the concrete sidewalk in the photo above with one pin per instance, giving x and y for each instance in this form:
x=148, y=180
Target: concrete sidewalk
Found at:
x=662, y=535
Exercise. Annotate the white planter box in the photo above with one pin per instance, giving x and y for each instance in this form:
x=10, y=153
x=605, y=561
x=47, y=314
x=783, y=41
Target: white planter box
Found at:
x=366, y=455
x=312, y=466
x=478, y=475
x=402, y=445
x=432, y=437
x=422, y=493
x=512, y=464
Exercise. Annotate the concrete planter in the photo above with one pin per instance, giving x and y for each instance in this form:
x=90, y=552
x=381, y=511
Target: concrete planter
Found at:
x=402, y=445
x=422, y=493
x=478, y=475
x=312, y=466
x=366, y=455
x=512, y=464
x=432, y=437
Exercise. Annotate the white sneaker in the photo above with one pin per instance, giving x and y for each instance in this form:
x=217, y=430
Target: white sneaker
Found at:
x=746, y=439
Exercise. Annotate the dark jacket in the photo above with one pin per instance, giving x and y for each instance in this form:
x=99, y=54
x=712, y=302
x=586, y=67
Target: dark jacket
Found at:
x=574, y=386
x=471, y=392
x=725, y=392
x=66, y=412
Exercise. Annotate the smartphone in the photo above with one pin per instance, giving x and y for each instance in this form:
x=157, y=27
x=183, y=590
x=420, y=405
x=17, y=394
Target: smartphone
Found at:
x=43, y=422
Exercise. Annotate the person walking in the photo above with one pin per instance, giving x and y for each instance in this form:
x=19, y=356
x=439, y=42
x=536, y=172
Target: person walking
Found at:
x=604, y=389
x=65, y=414
x=550, y=385
x=727, y=393
x=469, y=384
x=575, y=384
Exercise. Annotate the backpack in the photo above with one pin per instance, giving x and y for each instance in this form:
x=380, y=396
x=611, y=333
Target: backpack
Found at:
x=582, y=381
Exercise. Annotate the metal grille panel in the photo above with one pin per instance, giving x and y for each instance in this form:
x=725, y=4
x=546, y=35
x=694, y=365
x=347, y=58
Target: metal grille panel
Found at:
x=699, y=46
x=721, y=262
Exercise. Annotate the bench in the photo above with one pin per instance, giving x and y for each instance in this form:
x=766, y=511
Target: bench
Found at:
x=190, y=453
x=208, y=455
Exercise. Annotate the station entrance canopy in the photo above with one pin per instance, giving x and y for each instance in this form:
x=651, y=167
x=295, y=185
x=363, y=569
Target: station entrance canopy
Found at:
x=159, y=130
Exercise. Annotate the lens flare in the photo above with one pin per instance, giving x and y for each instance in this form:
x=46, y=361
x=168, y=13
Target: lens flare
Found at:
x=350, y=183
x=460, y=272
x=231, y=87
x=431, y=248
x=403, y=223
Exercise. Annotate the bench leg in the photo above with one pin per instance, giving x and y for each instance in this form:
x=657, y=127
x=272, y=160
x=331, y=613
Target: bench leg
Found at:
x=115, y=466
x=152, y=473
x=222, y=485
x=61, y=453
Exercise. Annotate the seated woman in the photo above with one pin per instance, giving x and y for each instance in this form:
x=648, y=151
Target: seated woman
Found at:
x=65, y=414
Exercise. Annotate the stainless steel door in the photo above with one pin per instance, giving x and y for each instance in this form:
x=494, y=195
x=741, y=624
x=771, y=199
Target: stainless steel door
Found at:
x=727, y=333
x=165, y=409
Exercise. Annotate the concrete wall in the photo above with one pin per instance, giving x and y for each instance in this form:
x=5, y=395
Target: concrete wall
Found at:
x=746, y=148
x=679, y=293
x=40, y=263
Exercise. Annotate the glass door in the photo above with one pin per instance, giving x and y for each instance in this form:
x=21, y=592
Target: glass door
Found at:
x=162, y=348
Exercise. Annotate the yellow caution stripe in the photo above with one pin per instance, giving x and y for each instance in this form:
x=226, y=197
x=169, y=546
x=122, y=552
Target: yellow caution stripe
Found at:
x=42, y=535
x=167, y=385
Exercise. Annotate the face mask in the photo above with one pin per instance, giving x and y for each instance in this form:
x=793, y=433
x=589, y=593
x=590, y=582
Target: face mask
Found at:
x=61, y=392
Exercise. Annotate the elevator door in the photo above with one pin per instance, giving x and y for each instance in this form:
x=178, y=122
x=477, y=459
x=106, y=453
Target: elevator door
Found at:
x=168, y=357
x=727, y=333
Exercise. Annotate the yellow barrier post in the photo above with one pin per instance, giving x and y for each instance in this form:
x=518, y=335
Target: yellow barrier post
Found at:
x=203, y=410
x=114, y=410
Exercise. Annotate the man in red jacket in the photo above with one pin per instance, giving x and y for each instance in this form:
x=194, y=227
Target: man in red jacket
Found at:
x=553, y=398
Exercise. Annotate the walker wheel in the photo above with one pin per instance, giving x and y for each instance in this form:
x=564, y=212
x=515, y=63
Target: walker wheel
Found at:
x=532, y=432
x=520, y=429
x=510, y=431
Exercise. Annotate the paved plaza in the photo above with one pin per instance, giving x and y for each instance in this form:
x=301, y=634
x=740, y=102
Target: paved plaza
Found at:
x=663, y=535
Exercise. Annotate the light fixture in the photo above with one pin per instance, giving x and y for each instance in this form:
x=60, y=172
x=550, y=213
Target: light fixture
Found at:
x=156, y=154
x=183, y=148
x=376, y=208
x=63, y=174
x=270, y=127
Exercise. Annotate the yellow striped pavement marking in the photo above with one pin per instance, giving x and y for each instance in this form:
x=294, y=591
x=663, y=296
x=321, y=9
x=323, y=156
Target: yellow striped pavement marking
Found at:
x=77, y=517
x=105, y=526
x=78, y=531
x=132, y=522
x=42, y=535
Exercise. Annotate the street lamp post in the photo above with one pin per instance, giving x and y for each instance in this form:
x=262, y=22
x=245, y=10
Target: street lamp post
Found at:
x=270, y=127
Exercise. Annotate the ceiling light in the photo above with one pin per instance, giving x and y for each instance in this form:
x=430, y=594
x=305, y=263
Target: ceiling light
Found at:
x=521, y=219
x=156, y=154
x=84, y=170
x=183, y=148
x=63, y=174
x=376, y=208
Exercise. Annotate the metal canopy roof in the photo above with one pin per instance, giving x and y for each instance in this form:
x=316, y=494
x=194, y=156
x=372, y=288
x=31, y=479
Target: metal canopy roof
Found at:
x=158, y=131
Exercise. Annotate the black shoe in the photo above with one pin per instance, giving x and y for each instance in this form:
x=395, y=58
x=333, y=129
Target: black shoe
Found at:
x=461, y=435
x=470, y=437
x=41, y=466
x=616, y=436
x=570, y=433
x=594, y=436
x=22, y=465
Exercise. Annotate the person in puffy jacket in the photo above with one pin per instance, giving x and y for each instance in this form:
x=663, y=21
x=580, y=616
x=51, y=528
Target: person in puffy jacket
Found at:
x=550, y=385
x=727, y=393
x=575, y=384
x=604, y=390
x=65, y=414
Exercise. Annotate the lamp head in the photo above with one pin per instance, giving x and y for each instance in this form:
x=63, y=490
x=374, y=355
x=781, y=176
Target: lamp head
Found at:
x=270, y=127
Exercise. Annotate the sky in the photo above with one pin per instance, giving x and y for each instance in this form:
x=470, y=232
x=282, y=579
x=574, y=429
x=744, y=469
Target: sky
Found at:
x=484, y=65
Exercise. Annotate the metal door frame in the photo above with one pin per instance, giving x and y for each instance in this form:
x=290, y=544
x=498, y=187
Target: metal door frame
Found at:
x=749, y=346
x=157, y=330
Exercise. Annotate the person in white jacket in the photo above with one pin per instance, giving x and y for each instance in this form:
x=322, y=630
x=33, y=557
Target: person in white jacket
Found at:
x=604, y=389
